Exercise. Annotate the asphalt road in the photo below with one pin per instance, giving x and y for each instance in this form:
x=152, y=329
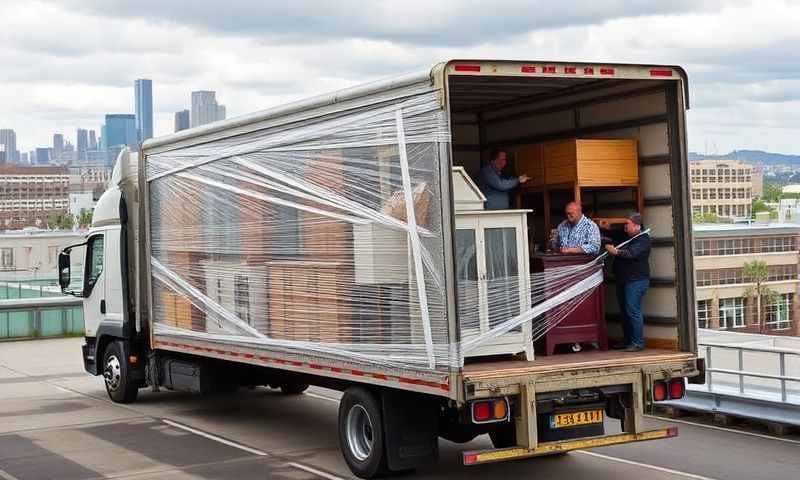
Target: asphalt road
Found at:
x=57, y=422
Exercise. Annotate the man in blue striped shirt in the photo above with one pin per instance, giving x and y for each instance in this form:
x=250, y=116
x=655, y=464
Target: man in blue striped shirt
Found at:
x=576, y=234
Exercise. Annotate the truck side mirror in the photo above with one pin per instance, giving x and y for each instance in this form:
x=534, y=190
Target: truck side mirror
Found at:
x=64, y=273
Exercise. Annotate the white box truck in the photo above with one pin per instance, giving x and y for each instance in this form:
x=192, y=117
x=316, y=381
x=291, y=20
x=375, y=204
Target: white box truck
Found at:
x=317, y=243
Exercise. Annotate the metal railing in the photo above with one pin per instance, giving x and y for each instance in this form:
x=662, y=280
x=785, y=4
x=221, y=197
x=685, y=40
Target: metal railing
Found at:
x=747, y=375
x=741, y=373
x=41, y=317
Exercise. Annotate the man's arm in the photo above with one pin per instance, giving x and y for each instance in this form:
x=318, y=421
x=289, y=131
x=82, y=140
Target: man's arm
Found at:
x=638, y=248
x=494, y=180
x=591, y=244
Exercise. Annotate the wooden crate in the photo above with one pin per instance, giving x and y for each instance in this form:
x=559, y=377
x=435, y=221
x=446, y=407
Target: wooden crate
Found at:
x=308, y=301
x=178, y=310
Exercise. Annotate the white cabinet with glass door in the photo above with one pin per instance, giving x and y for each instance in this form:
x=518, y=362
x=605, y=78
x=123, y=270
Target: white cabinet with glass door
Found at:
x=492, y=269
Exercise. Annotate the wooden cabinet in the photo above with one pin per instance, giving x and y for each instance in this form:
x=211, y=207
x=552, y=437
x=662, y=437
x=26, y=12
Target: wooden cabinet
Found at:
x=578, y=164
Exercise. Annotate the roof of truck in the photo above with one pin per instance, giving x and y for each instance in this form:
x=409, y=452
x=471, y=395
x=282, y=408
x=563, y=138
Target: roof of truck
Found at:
x=572, y=70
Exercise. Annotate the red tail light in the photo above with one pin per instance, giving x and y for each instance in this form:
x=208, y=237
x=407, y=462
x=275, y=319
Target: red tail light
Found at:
x=481, y=411
x=659, y=391
x=676, y=388
x=493, y=410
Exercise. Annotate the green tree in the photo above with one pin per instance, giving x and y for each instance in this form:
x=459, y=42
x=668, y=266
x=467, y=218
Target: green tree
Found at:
x=61, y=222
x=771, y=191
x=757, y=272
x=85, y=218
x=705, y=218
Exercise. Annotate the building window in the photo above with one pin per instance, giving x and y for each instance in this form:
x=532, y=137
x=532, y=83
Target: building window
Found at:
x=703, y=307
x=731, y=313
x=779, y=312
x=7, y=259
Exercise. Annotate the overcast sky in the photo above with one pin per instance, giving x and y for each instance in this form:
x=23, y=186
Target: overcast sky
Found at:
x=64, y=64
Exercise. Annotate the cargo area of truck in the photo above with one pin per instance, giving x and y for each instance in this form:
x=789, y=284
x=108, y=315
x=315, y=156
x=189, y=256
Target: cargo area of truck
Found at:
x=515, y=113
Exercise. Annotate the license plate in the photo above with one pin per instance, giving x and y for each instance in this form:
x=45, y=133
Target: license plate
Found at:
x=572, y=419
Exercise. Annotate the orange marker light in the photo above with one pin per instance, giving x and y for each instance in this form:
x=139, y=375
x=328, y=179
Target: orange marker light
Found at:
x=500, y=410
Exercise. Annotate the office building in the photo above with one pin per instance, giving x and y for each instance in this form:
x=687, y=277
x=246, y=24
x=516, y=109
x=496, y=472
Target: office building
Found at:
x=120, y=130
x=23, y=158
x=29, y=196
x=723, y=187
x=205, y=108
x=144, y=109
x=92, y=140
x=182, y=120
x=3, y=157
x=42, y=156
x=82, y=144
x=720, y=254
x=58, y=146
x=8, y=138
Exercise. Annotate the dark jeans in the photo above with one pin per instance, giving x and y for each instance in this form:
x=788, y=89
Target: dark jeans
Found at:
x=629, y=296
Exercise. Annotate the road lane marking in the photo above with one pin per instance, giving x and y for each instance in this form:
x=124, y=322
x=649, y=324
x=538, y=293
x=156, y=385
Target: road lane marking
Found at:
x=7, y=476
x=723, y=429
x=316, y=472
x=216, y=438
x=322, y=397
x=644, y=465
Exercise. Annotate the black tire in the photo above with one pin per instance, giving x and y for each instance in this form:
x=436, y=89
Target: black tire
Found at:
x=504, y=436
x=116, y=373
x=361, y=437
x=293, y=388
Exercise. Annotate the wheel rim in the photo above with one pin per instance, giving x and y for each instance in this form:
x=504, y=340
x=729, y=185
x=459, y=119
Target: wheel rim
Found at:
x=113, y=372
x=359, y=432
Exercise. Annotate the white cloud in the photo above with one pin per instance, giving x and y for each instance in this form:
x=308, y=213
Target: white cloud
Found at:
x=67, y=64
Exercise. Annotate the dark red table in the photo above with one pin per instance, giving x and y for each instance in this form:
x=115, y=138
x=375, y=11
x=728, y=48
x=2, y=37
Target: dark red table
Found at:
x=586, y=323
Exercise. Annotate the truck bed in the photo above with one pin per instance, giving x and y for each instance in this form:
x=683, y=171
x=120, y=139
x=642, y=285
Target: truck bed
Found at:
x=572, y=361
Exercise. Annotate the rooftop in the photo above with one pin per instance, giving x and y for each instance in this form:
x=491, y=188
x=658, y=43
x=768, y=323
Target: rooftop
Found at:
x=743, y=229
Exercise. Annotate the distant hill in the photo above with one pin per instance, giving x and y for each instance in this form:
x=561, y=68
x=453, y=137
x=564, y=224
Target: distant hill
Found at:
x=751, y=156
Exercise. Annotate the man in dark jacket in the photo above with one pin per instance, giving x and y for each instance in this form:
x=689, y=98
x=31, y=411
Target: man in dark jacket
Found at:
x=632, y=277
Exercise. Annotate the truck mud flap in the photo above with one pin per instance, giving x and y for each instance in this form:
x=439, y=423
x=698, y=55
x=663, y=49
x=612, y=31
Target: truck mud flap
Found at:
x=476, y=457
x=410, y=423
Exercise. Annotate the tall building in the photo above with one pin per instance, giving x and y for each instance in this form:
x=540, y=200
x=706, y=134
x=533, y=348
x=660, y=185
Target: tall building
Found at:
x=82, y=144
x=720, y=254
x=23, y=158
x=3, y=157
x=120, y=129
x=42, y=156
x=58, y=146
x=92, y=140
x=722, y=187
x=205, y=108
x=182, y=120
x=8, y=137
x=144, y=109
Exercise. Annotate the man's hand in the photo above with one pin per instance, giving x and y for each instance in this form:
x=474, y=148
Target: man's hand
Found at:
x=612, y=249
x=603, y=223
x=523, y=178
x=571, y=250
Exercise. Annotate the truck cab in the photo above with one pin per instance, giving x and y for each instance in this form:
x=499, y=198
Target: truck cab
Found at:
x=102, y=282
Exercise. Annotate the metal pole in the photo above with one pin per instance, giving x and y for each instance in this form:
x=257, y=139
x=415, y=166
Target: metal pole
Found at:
x=708, y=367
x=782, y=359
x=741, y=369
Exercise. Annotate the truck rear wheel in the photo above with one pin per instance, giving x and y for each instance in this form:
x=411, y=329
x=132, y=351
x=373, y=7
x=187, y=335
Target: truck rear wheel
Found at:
x=116, y=373
x=361, y=437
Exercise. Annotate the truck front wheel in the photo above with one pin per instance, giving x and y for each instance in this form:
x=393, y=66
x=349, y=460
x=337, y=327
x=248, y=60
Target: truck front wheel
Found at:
x=361, y=437
x=116, y=373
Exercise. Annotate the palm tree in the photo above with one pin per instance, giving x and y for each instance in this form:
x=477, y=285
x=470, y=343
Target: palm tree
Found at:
x=757, y=272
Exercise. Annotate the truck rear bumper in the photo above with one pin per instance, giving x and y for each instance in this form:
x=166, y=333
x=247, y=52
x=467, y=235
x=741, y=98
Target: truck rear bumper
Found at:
x=476, y=457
